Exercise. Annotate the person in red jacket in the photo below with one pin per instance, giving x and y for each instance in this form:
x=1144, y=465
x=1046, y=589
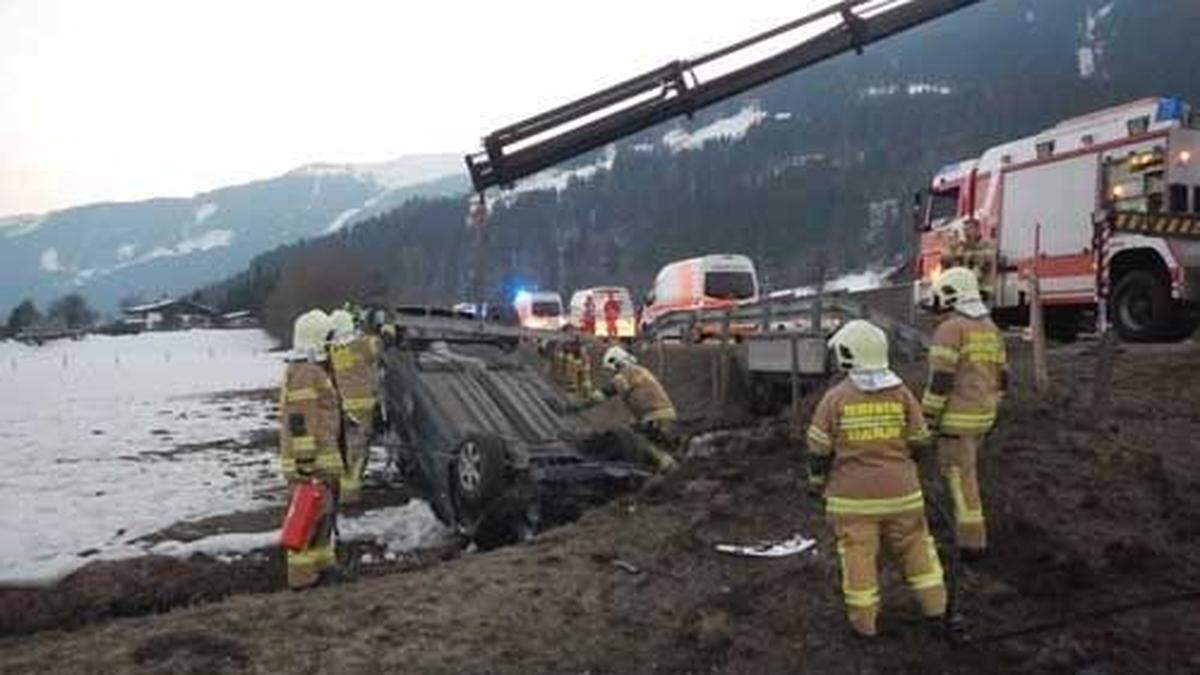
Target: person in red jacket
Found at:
x=589, y=315
x=612, y=313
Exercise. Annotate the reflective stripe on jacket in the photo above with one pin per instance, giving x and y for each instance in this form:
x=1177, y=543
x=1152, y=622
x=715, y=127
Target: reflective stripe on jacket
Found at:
x=869, y=435
x=355, y=372
x=644, y=395
x=966, y=365
x=310, y=423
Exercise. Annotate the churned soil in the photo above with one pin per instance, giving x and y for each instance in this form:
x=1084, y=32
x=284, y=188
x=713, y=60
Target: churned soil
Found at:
x=1094, y=568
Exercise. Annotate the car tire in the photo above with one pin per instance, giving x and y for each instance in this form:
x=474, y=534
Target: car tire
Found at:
x=477, y=475
x=1141, y=308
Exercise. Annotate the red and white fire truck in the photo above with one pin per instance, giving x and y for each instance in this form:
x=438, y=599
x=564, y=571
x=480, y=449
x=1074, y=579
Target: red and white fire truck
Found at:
x=1032, y=205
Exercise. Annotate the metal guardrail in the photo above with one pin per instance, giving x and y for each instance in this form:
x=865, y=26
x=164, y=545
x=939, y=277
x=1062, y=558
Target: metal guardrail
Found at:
x=456, y=329
x=764, y=317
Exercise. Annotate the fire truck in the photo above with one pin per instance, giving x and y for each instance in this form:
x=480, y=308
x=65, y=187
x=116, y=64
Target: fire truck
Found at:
x=1083, y=206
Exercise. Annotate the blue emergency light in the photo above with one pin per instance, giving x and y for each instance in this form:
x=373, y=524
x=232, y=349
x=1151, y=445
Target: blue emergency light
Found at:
x=1171, y=108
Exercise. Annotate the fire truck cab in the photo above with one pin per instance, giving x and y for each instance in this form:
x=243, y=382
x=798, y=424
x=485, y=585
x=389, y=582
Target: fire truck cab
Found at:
x=1029, y=205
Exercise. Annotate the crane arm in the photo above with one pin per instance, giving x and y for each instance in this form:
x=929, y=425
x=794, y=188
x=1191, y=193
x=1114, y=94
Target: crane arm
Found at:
x=541, y=141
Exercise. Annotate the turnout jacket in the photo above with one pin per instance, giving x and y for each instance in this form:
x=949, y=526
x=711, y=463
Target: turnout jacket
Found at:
x=356, y=374
x=967, y=365
x=310, y=424
x=868, y=434
x=644, y=395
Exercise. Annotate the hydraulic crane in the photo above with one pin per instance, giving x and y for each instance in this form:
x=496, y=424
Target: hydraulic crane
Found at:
x=541, y=141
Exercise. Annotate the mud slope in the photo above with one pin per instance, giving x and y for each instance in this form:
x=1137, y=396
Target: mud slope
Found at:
x=1095, y=566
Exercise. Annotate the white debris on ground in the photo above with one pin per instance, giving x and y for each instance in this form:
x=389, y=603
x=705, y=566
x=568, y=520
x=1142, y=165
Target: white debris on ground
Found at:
x=91, y=432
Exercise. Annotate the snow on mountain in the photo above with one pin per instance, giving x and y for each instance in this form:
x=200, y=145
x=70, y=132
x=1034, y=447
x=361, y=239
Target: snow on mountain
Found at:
x=730, y=128
x=111, y=251
x=403, y=172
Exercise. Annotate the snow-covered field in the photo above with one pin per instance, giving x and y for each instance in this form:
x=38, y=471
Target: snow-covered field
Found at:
x=100, y=440
x=88, y=431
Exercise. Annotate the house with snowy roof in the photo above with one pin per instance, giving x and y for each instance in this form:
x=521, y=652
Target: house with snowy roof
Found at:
x=168, y=314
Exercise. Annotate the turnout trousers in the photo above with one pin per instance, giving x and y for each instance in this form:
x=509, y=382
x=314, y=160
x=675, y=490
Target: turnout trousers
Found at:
x=304, y=567
x=358, y=448
x=958, y=457
x=906, y=536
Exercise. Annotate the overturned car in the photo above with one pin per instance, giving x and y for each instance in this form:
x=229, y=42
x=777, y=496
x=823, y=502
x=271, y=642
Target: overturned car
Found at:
x=494, y=448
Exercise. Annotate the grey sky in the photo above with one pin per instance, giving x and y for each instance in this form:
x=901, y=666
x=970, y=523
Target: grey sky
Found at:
x=125, y=99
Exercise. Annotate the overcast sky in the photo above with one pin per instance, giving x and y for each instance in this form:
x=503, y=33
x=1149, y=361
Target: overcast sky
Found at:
x=127, y=99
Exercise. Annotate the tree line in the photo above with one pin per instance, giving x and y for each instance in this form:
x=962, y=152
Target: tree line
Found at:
x=70, y=312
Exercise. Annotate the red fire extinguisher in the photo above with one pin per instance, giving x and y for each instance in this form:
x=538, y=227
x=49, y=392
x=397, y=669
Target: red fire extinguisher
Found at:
x=303, y=515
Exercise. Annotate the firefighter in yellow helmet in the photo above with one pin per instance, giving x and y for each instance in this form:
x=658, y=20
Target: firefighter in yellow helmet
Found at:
x=968, y=374
x=861, y=443
x=310, y=426
x=355, y=360
x=648, y=401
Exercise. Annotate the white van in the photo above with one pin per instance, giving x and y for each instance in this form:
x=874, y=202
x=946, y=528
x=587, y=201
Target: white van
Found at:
x=542, y=310
x=708, y=282
x=611, y=313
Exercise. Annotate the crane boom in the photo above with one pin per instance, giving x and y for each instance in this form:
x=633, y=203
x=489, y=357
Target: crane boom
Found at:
x=539, y=142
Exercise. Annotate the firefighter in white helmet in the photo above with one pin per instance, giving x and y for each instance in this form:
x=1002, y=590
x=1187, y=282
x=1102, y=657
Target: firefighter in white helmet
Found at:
x=308, y=439
x=861, y=443
x=967, y=377
x=355, y=360
x=648, y=401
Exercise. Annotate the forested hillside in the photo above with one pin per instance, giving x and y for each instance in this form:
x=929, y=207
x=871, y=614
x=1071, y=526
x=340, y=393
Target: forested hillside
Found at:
x=823, y=172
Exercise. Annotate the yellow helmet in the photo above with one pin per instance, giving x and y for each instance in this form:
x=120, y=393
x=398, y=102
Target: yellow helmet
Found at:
x=343, y=324
x=616, y=357
x=956, y=286
x=860, y=346
x=310, y=334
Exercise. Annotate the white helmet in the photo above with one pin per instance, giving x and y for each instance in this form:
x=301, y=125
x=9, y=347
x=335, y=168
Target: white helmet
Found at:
x=861, y=349
x=860, y=346
x=310, y=334
x=958, y=289
x=343, y=325
x=617, y=357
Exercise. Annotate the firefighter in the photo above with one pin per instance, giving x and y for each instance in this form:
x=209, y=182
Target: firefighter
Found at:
x=967, y=377
x=648, y=401
x=355, y=360
x=310, y=427
x=861, y=443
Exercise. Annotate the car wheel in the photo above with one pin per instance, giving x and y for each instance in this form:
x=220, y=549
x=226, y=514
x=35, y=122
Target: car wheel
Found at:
x=477, y=474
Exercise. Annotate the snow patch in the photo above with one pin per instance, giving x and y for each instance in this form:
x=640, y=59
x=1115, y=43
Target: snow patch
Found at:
x=783, y=116
x=557, y=179
x=848, y=283
x=97, y=433
x=343, y=218
x=204, y=242
x=17, y=226
x=49, y=261
x=727, y=128
x=205, y=212
x=911, y=89
x=1094, y=44
x=126, y=251
x=402, y=172
x=643, y=147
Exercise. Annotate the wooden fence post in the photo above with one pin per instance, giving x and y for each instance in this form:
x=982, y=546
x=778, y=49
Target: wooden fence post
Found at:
x=1037, y=328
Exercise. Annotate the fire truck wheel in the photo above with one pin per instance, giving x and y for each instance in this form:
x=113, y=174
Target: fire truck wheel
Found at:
x=1141, y=308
